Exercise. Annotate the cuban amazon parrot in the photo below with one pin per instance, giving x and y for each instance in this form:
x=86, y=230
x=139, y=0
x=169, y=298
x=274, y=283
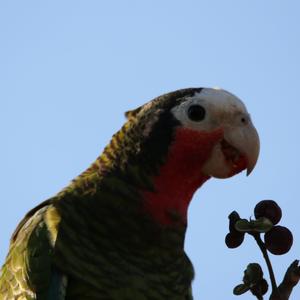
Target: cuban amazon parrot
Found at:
x=117, y=231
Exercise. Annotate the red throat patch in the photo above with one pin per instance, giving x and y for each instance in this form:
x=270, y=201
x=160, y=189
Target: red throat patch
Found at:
x=181, y=175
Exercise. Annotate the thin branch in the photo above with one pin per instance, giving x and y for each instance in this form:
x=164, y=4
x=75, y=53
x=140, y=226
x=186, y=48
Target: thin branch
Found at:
x=262, y=247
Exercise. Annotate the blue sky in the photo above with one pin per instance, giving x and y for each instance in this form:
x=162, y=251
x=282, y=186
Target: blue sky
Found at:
x=69, y=69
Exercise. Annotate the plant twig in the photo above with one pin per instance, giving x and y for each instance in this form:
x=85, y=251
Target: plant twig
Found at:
x=263, y=249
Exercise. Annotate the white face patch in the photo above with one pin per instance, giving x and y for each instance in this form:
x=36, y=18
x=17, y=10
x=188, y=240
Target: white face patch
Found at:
x=221, y=109
x=212, y=109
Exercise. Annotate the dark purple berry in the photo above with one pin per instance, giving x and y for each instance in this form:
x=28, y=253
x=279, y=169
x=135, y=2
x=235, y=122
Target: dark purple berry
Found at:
x=279, y=240
x=268, y=209
x=233, y=240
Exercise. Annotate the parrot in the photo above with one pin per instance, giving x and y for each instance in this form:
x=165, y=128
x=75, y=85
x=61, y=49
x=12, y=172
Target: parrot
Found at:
x=117, y=231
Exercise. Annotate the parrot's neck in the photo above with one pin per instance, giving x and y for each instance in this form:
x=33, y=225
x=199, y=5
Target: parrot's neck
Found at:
x=164, y=177
x=179, y=177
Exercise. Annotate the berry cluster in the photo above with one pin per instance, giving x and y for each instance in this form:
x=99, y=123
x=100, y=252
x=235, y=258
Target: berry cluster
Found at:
x=253, y=281
x=278, y=239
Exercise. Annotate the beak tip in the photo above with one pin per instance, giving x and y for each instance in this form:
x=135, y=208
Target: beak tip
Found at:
x=250, y=169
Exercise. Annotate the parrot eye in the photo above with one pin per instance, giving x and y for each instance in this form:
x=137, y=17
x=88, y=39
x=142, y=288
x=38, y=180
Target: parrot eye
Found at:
x=196, y=113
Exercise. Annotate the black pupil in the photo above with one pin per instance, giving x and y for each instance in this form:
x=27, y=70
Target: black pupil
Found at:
x=196, y=113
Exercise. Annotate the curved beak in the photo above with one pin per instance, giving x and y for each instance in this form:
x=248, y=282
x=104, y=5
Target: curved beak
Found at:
x=246, y=140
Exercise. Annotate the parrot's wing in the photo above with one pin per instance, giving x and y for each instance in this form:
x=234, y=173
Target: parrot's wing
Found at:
x=28, y=272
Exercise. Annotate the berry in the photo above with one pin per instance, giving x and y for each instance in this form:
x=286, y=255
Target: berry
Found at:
x=233, y=240
x=279, y=240
x=268, y=209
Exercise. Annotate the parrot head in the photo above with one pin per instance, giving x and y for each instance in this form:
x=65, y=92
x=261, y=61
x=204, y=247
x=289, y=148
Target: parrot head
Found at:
x=210, y=124
x=221, y=121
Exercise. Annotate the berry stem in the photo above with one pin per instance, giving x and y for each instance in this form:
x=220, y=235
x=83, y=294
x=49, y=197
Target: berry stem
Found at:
x=264, y=251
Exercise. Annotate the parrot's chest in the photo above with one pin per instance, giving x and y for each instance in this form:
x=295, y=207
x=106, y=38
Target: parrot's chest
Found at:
x=115, y=251
x=114, y=271
x=132, y=278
